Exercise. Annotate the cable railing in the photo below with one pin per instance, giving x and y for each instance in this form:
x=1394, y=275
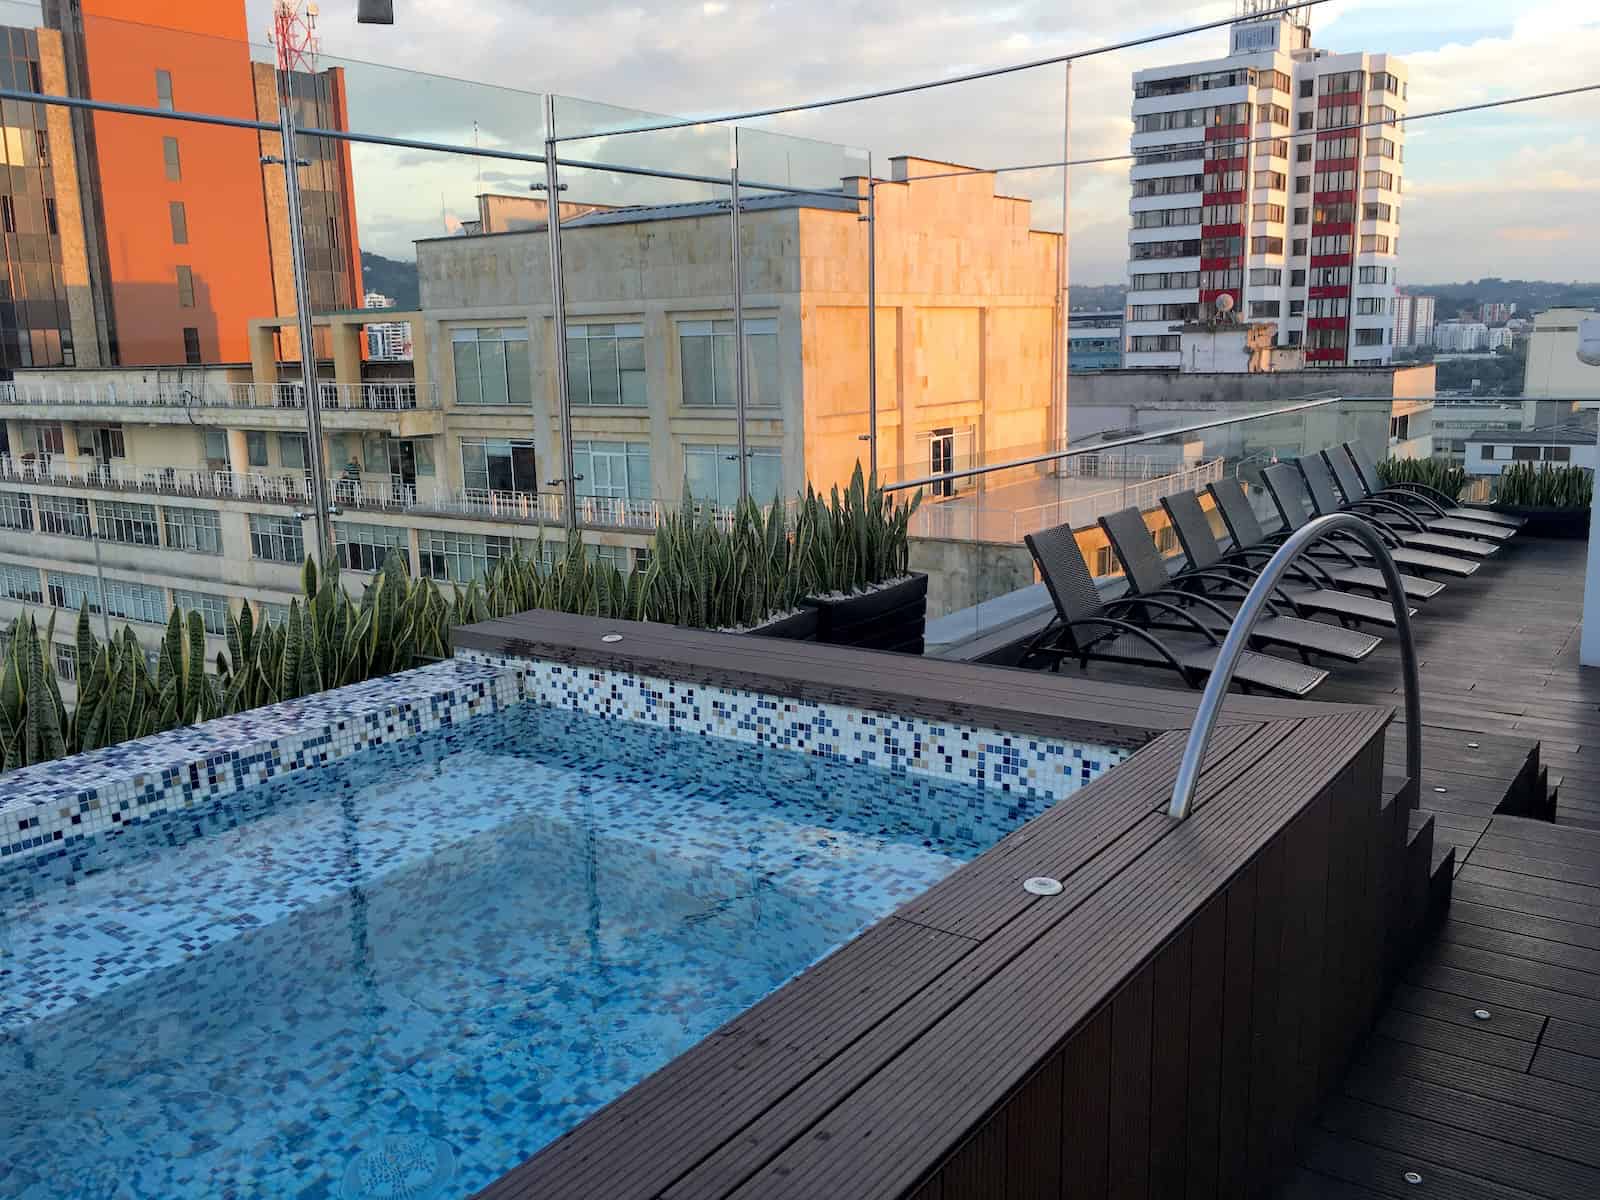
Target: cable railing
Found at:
x=1238, y=640
x=372, y=396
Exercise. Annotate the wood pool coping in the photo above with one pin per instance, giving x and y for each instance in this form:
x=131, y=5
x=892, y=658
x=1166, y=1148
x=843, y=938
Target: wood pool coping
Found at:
x=1039, y=703
x=902, y=1057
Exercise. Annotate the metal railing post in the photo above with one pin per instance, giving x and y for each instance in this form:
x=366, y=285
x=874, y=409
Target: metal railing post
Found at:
x=558, y=304
x=1238, y=639
x=736, y=254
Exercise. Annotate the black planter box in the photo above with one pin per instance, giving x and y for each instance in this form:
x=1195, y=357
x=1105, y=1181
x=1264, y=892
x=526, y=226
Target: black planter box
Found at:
x=796, y=627
x=888, y=618
x=1549, y=522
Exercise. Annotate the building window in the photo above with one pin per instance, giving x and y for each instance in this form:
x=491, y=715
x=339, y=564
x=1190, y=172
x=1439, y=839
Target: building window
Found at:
x=1558, y=453
x=1373, y=275
x=1374, y=243
x=1376, y=212
x=272, y=614
x=255, y=447
x=706, y=348
x=1302, y=216
x=1371, y=306
x=605, y=365
x=213, y=610
x=164, y=90
x=1297, y=308
x=130, y=601
x=169, y=155
x=191, y=345
x=130, y=524
x=1154, y=343
x=1297, y=247
x=1302, y=151
x=493, y=465
x=1266, y=276
x=64, y=515
x=364, y=547
x=1380, y=147
x=1305, y=89
x=1303, y=121
x=460, y=557
x=276, y=539
x=186, y=298
x=1263, y=308
x=616, y=470
x=1330, y=277
x=292, y=450
x=1266, y=245
x=1297, y=278
x=66, y=662
x=197, y=530
x=52, y=222
x=492, y=365
x=20, y=583
x=1486, y=452
x=180, y=222
x=1335, y=307
x=1525, y=454
x=16, y=511
x=711, y=474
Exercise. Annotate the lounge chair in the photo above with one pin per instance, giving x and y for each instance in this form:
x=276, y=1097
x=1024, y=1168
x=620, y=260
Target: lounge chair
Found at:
x=1400, y=522
x=1086, y=627
x=1356, y=491
x=1311, y=586
x=1420, y=495
x=1207, y=592
x=1291, y=497
x=1334, y=558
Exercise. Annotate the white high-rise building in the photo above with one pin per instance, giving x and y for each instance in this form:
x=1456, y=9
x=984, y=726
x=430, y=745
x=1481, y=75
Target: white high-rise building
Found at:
x=1273, y=176
x=387, y=339
x=1413, y=320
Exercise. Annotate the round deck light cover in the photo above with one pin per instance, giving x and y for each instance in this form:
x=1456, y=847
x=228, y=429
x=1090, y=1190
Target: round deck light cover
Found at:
x=611, y=637
x=1042, y=885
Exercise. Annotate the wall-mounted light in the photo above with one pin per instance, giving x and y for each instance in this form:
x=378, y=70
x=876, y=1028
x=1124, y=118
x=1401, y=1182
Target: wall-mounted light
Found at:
x=375, y=12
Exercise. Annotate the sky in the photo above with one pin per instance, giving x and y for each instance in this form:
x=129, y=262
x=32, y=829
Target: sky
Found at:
x=1507, y=192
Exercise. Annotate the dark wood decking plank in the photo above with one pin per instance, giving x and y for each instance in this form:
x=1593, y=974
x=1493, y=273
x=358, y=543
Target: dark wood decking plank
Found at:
x=870, y=1141
x=1444, y=1007
x=1477, y=871
x=1513, y=1088
x=1480, y=1045
x=1521, y=945
x=1529, y=925
x=1384, y=1171
x=1502, y=1159
x=1575, y=1070
x=1500, y=899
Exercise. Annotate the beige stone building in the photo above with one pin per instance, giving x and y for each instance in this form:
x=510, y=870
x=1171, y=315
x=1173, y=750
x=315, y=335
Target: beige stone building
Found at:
x=192, y=479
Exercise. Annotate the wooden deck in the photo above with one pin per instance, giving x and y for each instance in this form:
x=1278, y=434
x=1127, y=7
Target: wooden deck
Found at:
x=1506, y=1105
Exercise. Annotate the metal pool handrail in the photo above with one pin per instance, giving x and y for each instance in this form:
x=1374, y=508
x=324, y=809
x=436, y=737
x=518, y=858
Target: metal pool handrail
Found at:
x=1239, y=635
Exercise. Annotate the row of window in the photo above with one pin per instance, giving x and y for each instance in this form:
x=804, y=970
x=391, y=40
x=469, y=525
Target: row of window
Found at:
x=1178, y=85
x=1160, y=218
x=606, y=368
x=1163, y=312
x=1168, y=185
x=193, y=529
x=1192, y=118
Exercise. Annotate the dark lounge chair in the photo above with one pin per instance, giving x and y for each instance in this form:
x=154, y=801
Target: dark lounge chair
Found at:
x=1421, y=496
x=1087, y=628
x=1311, y=586
x=1402, y=524
x=1356, y=492
x=1207, y=594
x=1336, y=558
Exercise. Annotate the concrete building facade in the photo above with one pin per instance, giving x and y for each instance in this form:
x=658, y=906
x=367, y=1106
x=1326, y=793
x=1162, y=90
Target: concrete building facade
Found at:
x=1554, y=368
x=1272, y=176
x=1094, y=340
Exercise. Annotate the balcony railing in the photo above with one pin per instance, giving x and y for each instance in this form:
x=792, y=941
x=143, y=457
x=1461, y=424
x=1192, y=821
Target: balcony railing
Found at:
x=352, y=495
x=400, y=395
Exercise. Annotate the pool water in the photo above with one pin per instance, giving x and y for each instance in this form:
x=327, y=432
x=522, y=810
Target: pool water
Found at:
x=402, y=974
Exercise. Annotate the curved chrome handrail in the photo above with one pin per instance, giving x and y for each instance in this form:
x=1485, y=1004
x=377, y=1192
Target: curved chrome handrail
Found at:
x=1239, y=635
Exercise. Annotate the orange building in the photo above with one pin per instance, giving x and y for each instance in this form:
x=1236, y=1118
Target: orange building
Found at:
x=187, y=230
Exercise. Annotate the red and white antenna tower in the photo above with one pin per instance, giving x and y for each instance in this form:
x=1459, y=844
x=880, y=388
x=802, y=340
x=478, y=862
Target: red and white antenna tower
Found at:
x=294, y=35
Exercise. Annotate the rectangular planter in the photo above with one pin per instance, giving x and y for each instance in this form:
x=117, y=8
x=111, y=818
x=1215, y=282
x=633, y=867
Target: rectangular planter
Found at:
x=798, y=626
x=1549, y=522
x=894, y=617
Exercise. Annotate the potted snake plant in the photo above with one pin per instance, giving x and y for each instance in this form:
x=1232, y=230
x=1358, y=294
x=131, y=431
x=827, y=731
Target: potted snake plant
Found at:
x=1554, y=500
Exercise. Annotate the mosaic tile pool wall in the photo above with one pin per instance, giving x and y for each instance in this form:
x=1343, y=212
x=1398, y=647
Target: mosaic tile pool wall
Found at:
x=1037, y=771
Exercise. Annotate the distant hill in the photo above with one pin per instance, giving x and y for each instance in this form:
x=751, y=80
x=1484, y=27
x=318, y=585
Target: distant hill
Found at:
x=1529, y=295
x=1096, y=295
x=392, y=277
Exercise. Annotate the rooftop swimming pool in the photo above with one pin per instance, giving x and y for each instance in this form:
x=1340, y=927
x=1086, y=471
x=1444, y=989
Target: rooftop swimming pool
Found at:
x=405, y=971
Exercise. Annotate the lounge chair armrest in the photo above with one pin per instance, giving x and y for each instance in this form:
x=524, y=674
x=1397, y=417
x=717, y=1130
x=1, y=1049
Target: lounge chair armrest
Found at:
x=1145, y=636
x=1389, y=506
x=1176, y=610
x=1423, y=491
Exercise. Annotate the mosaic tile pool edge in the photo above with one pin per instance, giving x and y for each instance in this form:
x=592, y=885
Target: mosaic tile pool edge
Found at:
x=48, y=808
x=1037, y=768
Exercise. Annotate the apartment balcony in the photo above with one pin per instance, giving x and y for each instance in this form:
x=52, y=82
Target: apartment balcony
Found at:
x=404, y=408
x=292, y=489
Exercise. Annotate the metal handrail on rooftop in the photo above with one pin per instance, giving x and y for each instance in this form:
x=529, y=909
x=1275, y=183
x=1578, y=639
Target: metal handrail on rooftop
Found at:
x=1238, y=640
x=1113, y=444
x=397, y=395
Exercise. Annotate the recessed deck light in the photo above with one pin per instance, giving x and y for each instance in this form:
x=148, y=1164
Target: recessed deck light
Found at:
x=611, y=637
x=1042, y=885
